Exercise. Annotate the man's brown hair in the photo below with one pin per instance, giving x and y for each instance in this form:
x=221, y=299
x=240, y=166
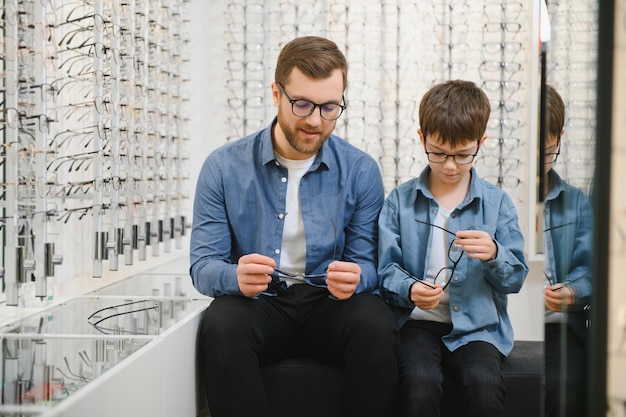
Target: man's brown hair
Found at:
x=457, y=111
x=316, y=57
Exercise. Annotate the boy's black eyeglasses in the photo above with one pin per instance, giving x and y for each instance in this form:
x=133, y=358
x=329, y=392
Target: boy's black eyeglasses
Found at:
x=305, y=108
x=454, y=255
x=550, y=157
x=460, y=158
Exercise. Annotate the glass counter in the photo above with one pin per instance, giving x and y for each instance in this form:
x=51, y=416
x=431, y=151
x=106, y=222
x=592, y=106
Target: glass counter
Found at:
x=41, y=371
x=98, y=315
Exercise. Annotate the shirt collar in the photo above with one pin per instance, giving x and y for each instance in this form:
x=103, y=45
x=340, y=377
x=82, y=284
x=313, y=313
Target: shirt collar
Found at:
x=557, y=185
x=268, y=155
x=475, y=189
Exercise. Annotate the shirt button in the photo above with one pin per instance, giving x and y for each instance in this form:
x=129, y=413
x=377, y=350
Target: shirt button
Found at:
x=456, y=308
x=281, y=216
x=453, y=215
x=283, y=179
x=277, y=251
x=455, y=278
x=276, y=163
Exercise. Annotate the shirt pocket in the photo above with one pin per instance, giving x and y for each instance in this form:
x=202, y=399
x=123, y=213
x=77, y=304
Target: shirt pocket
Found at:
x=490, y=228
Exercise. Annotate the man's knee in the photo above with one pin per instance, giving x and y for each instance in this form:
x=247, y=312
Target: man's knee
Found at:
x=226, y=318
x=372, y=309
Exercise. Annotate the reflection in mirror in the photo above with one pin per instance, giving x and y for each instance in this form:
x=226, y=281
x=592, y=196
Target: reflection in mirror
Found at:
x=565, y=221
x=567, y=268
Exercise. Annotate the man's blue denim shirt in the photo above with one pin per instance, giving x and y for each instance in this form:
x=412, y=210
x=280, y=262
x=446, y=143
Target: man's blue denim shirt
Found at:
x=239, y=208
x=478, y=290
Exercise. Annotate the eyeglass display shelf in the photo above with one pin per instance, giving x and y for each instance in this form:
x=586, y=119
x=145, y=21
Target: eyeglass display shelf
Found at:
x=101, y=344
x=40, y=371
x=152, y=284
x=108, y=315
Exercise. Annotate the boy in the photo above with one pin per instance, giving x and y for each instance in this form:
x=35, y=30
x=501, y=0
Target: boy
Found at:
x=568, y=252
x=450, y=250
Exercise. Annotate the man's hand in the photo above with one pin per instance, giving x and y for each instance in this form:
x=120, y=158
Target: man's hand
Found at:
x=342, y=279
x=253, y=273
x=426, y=295
x=558, y=297
x=477, y=244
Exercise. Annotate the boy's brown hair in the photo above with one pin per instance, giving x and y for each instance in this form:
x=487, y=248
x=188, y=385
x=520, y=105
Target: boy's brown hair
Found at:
x=316, y=57
x=457, y=111
x=555, y=112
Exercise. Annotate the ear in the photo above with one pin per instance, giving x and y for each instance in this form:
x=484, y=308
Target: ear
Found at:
x=422, y=139
x=481, y=141
x=275, y=94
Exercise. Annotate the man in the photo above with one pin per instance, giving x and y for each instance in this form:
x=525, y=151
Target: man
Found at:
x=285, y=238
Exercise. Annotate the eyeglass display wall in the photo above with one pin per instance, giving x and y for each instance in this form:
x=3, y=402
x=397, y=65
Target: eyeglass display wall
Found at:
x=396, y=50
x=93, y=136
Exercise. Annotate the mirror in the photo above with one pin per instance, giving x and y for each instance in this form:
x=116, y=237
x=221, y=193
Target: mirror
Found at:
x=564, y=216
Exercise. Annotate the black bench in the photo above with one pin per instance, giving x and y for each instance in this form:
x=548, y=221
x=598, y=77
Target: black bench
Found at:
x=289, y=385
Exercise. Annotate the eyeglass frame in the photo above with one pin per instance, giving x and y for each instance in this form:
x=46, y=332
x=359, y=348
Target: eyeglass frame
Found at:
x=97, y=319
x=556, y=155
x=315, y=105
x=454, y=156
x=278, y=273
x=454, y=263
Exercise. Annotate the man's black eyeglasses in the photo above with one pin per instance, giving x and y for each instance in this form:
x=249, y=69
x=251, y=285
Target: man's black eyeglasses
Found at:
x=304, y=108
x=454, y=255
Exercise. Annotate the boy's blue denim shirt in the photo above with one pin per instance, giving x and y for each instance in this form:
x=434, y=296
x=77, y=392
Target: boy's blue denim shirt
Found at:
x=569, y=242
x=239, y=208
x=478, y=290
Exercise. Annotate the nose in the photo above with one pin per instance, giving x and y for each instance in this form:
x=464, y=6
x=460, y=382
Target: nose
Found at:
x=449, y=162
x=315, y=118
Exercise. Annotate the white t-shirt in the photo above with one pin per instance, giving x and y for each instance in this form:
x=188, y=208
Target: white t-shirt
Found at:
x=293, y=248
x=438, y=259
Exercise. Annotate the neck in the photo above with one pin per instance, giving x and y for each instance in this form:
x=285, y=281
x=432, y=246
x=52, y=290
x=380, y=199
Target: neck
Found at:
x=449, y=196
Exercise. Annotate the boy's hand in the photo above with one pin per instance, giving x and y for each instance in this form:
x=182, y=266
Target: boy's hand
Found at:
x=558, y=297
x=477, y=244
x=253, y=273
x=342, y=278
x=425, y=295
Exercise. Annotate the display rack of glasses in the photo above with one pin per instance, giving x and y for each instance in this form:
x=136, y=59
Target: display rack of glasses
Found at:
x=94, y=135
x=397, y=49
x=50, y=355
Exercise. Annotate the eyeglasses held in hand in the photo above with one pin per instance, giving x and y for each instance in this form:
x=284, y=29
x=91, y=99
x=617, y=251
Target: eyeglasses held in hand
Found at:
x=315, y=279
x=294, y=275
x=305, y=108
x=552, y=284
x=454, y=255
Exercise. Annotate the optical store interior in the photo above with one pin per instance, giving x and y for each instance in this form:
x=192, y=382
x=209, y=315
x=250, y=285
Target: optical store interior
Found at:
x=109, y=108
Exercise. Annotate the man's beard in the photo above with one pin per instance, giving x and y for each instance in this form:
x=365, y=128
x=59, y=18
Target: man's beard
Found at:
x=308, y=148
